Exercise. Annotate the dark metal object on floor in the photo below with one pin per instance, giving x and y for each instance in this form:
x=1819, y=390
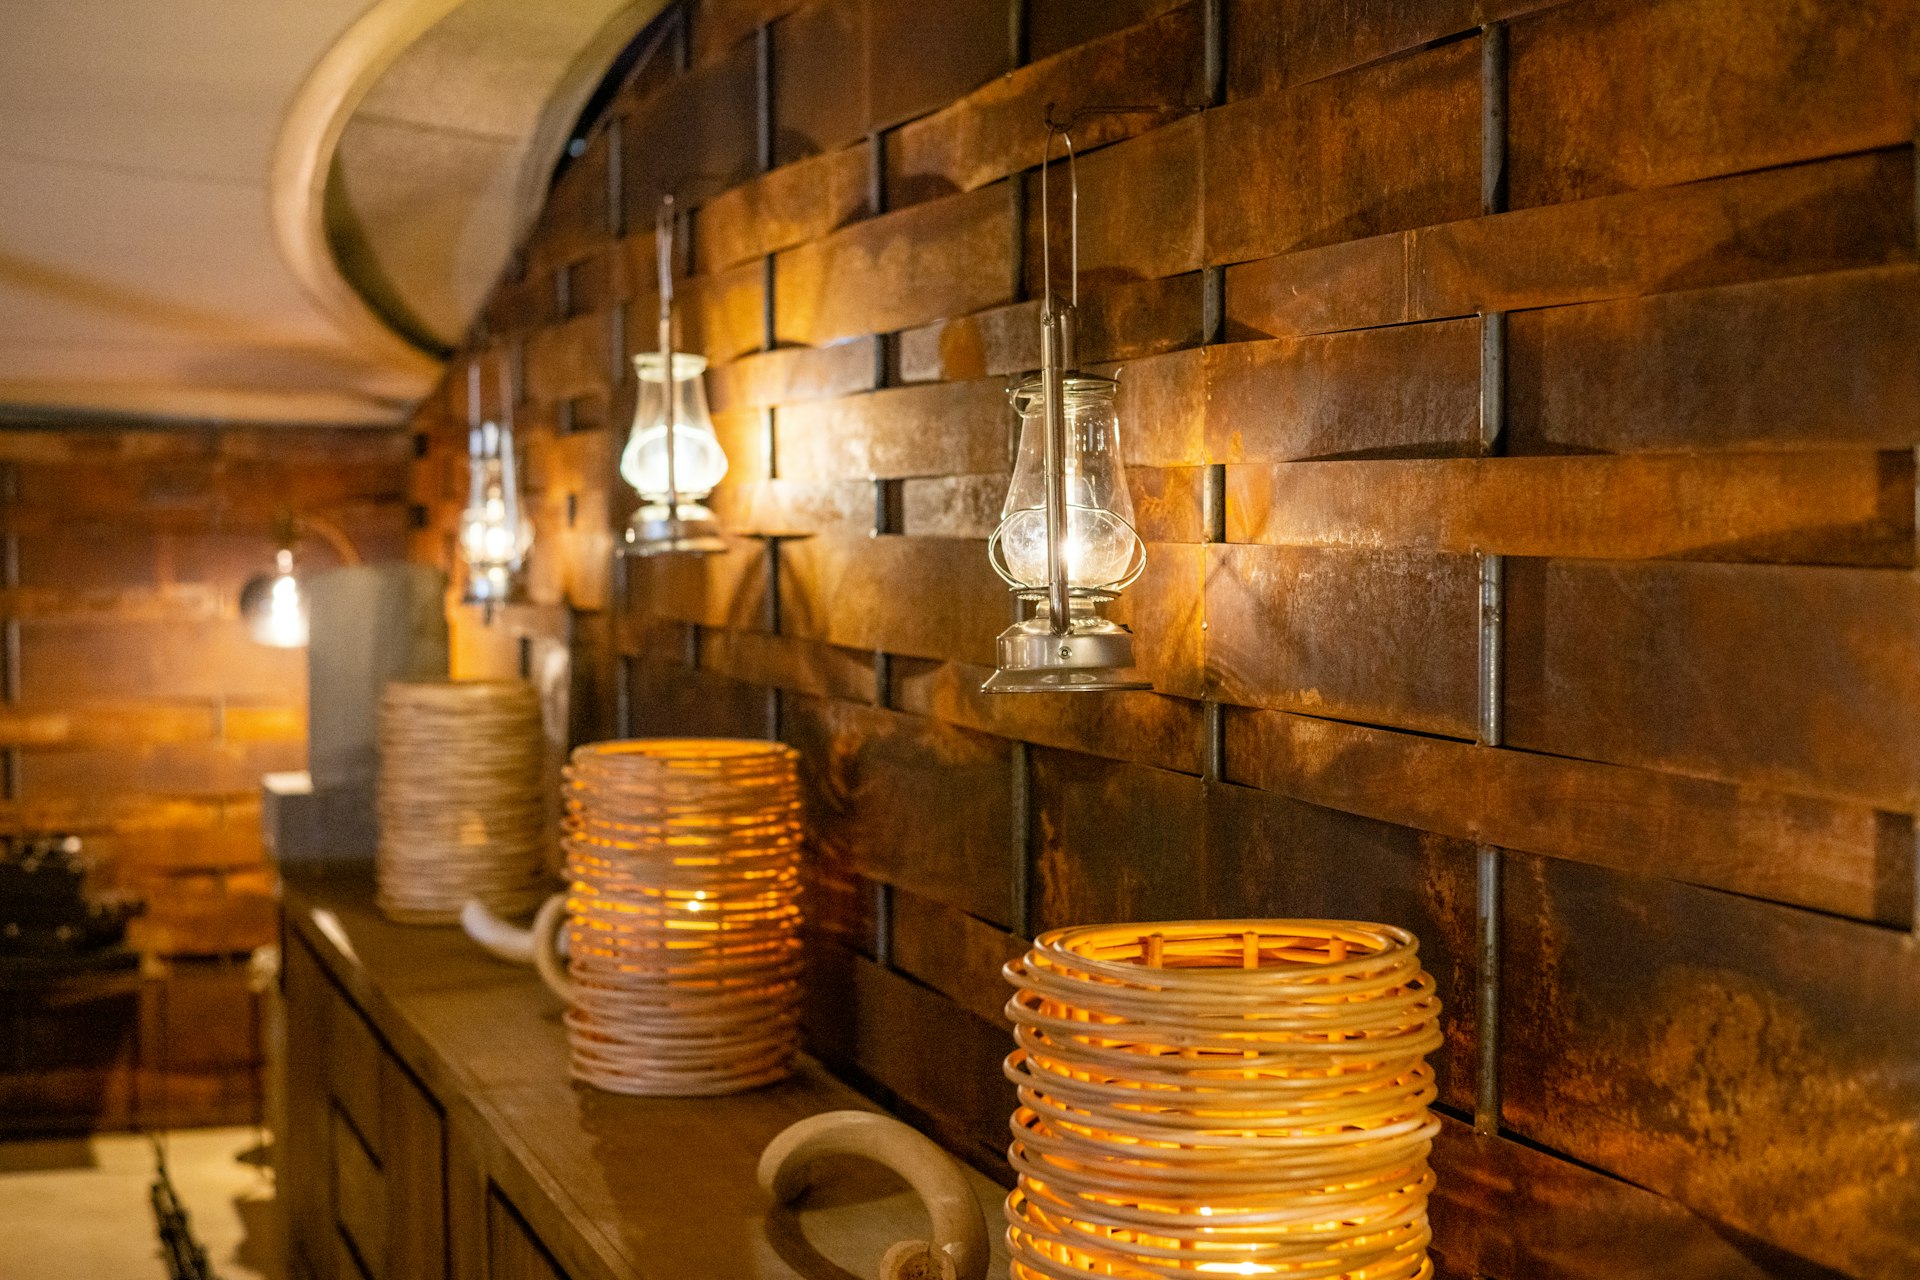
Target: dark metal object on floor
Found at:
x=186, y=1258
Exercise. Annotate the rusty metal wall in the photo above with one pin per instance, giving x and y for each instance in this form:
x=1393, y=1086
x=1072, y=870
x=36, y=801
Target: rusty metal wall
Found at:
x=1520, y=405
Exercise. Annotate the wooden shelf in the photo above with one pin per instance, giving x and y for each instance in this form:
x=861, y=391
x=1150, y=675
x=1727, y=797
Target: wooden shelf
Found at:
x=609, y=1186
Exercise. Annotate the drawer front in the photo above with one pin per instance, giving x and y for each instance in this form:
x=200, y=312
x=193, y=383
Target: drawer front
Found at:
x=364, y=1160
x=355, y=1066
x=360, y=1198
x=513, y=1252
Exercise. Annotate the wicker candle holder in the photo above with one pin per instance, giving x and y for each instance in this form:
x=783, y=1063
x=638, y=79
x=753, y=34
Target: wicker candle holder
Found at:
x=460, y=799
x=683, y=974
x=1228, y=1097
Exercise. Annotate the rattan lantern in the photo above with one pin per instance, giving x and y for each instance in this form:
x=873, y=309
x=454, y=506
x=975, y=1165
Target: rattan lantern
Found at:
x=683, y=973
x=461, y=799
x=1229, y=1097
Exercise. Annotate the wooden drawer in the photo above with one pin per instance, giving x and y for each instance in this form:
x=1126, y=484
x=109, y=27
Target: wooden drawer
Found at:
x=363, y=1165
x=513, y=1251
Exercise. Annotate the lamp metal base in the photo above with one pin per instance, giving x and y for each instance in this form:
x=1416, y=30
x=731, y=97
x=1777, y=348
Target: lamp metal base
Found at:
x=1092, y=657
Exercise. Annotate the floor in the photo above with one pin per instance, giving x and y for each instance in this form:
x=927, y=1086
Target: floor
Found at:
x=77, y=1208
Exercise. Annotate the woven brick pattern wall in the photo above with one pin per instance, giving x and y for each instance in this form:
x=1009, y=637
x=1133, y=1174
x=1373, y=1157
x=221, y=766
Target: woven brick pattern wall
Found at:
x=1520, y=407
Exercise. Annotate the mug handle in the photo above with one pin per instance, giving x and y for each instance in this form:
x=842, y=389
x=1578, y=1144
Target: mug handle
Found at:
x=958, y=1250
x=546, y=957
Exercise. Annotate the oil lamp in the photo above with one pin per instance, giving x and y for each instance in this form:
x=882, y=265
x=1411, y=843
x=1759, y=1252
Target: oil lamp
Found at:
x=1066, y=539
x=672, y=459
x=495, y=532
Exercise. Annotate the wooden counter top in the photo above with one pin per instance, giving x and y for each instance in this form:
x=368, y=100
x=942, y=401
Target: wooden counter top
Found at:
x=660, y=1189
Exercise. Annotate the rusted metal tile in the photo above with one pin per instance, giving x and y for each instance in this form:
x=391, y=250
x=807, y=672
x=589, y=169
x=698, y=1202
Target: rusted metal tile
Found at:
x=1503, y=1208
x=1268, y=855
x=1168, y=503
x=953, y=506
x=725, y=590
x=1144, y=728
x=577, y=216
x=743, y=434
x=1814, y=507
x=819, y=78
x=944, y=258
x=1800, y=679
x=843, y=508
x=573, y=523
x=1831, y=215
x=570, y=359
x=923, y=56
x=923, y=597
x=954, y=953
x=720, y=25
x=1273, y=46
x=783, y=662
x=909, y=801
x=1408, y=390
x=841, y=904
x=599, y=281
x=1828, y=216
x=1846, y=859
x=1139, y=211
x=1117, y=322
x=1614, y=97
x=1355, y=285
x=788, y=206
x=1708, y=368
x=1115, y=841
x=1378, y=637
x=940, y=429
x=792, y=374
x=519, y=304
x=694, y=137
x=1385, y=148
x=721, y=316
x=1165, y=608
x=927, y=1051
x=1162, y=410
x=1749, y=1060
x=1001, y=128
x=1057, y=25
x=677, y=702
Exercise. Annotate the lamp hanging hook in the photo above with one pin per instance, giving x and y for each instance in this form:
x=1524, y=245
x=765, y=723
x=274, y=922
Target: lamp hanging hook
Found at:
x=663, y=245
x=1064, y=131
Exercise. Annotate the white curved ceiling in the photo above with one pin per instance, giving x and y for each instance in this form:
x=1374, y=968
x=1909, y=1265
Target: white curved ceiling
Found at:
x=139, y=267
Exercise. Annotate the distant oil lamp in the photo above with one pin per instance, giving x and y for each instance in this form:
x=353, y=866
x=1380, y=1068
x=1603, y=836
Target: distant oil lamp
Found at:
x=1066, y=539
x=495, y=532
x=673, y=460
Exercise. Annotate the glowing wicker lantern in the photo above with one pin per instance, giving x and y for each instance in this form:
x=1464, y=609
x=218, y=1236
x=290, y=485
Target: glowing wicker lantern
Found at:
x=1229, y=1097
x=682, y=977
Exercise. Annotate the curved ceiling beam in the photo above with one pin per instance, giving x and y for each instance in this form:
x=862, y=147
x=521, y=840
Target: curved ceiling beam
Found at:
x=303, y=162
x=379, y=296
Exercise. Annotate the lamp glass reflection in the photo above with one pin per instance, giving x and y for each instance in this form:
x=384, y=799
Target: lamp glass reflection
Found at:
x=275, y=605
x=1103, y=552
x=699, y=463
x=495, y=534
